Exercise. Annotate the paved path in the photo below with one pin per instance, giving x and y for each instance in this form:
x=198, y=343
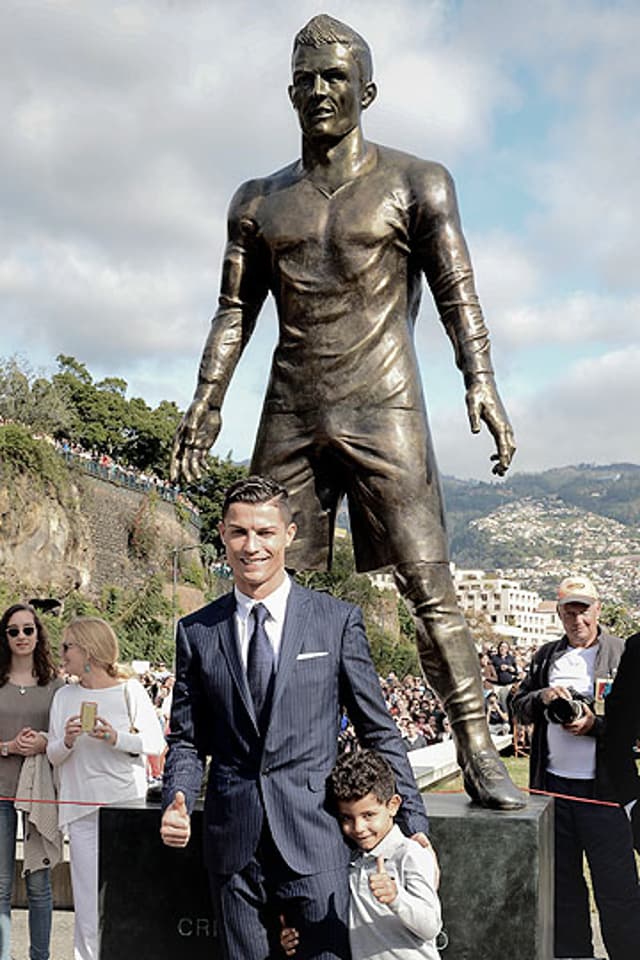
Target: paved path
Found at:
x=61, y=937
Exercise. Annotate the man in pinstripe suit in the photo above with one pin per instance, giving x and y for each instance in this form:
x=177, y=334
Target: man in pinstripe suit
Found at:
x=271, y=846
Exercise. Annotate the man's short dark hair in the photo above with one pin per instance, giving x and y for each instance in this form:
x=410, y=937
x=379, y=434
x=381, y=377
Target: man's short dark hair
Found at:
x=256, y=489
x=357, y=774
x=323, y=29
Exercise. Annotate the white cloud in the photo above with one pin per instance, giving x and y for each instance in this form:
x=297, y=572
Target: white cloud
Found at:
x=578, y=319
x=127, y=126
x=589, y=415
x=103, y=312
x=439, y=102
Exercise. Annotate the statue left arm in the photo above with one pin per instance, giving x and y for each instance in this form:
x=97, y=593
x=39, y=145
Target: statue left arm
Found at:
x=445, y=259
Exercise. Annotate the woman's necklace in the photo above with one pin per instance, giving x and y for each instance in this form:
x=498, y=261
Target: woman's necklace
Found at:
x=22, y=687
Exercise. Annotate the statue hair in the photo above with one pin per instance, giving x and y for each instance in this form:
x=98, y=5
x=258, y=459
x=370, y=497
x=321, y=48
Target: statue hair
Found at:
x=324, y=29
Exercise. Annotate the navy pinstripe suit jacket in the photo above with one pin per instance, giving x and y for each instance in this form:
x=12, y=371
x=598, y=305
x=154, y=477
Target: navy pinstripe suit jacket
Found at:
x=324, y=663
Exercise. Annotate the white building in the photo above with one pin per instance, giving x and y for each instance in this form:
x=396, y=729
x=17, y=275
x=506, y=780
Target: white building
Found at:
x=518, y=615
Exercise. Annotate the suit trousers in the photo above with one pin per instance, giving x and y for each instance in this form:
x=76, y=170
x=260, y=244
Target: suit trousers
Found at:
x=248, y=906
x=603, y=833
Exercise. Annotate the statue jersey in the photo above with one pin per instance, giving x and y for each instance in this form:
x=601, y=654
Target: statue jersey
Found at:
x=345, y=269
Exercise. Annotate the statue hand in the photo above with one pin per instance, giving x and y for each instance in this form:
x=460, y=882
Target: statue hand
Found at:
x=484, y=403
x=196, y=434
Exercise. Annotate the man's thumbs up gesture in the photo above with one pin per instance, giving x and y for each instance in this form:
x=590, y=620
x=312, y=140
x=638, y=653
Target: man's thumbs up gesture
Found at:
x=383, y=887
x=175, y=828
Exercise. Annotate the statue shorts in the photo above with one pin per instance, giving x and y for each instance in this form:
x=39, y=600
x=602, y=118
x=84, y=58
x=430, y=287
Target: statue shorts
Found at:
x=381, y=458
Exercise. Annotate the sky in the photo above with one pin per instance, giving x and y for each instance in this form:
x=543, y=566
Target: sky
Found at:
x=127, y=126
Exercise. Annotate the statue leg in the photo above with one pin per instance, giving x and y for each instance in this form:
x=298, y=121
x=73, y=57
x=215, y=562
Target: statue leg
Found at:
x=450, y=662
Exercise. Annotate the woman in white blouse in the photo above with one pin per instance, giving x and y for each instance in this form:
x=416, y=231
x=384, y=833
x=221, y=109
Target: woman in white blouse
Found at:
x=100, y=730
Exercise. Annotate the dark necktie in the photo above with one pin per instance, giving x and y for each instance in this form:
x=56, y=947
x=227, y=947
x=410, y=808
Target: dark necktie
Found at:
x=260, y=664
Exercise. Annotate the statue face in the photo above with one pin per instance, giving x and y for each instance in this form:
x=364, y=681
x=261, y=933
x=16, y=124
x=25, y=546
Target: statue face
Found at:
x=327, y=92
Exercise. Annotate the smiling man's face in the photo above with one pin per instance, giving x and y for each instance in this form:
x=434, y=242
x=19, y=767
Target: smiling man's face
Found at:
x=256, y=537
x=327, y=90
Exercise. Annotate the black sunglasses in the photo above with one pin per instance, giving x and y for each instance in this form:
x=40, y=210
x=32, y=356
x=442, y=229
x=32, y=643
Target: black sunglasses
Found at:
x=14, y=632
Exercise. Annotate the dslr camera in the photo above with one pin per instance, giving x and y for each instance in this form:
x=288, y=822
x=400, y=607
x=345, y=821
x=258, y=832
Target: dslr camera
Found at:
x=564, y=711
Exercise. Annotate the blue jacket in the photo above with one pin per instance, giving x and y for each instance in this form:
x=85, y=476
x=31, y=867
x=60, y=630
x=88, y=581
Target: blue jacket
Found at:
x=324, y=664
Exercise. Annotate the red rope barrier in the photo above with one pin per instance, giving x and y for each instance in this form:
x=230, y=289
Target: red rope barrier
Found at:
x=566, y=796
x=79, y=803
x=546, y=793
x=542, y=793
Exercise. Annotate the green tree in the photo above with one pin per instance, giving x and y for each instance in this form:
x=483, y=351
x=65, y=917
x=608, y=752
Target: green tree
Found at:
x=28, y=398
x=208, y=495
x=481, y=629
x=150, y=435
x=105, y=421
x=617, y=619
x=75, y=369
x=21, y=453
x=99, y=412
x=399, y=657
x=140, y=618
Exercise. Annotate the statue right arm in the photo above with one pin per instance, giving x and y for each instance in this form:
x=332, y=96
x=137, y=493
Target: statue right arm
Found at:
x=443, y=254
x=244, y=287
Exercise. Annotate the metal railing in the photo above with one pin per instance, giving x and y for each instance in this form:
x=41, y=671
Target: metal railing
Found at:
x=131, y=480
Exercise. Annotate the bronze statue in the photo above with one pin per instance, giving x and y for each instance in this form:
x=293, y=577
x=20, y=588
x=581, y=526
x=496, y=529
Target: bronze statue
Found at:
x=341, y=239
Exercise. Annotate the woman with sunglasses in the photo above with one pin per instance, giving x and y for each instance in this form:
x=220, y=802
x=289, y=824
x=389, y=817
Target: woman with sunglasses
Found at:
x=28, y=681
x=101, y=728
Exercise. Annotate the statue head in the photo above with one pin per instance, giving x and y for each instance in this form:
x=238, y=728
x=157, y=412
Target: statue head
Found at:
x=332, y=85
x=323, y=29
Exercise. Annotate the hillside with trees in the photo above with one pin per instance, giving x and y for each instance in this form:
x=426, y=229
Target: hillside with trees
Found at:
x=534, y=527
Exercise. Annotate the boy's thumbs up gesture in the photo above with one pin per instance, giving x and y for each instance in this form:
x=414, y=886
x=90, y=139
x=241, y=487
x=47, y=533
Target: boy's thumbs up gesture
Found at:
x=383, y=887
x=175, y=828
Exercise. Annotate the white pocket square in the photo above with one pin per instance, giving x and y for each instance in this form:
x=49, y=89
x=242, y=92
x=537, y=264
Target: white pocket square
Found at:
x=312, y=655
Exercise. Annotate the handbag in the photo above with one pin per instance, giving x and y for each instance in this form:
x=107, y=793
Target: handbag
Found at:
x=127, y=700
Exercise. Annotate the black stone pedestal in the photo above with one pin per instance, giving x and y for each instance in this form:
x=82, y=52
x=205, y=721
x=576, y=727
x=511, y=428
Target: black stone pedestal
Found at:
x=496, y=886
x=497, y=878
x=154, y=900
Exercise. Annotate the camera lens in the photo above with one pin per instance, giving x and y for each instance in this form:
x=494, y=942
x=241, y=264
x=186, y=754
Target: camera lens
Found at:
x=563, y=711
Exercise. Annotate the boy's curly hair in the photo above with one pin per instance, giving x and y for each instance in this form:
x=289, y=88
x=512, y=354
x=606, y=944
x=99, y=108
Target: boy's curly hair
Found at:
x=357, y=774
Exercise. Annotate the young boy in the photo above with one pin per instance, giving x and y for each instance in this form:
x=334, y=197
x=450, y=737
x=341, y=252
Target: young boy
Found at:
x=394, y=910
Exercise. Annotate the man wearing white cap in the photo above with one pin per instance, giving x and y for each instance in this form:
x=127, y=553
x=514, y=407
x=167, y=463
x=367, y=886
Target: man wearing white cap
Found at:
x=558, y=696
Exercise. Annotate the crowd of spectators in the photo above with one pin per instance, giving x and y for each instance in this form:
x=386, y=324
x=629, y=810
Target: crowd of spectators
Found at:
x=419, y=712
x=416, y=708
x=106, y=468
x=103, y=466
x=503, y=669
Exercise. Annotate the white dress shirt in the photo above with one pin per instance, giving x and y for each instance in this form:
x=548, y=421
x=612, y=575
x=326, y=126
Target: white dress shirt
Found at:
x=276, y=604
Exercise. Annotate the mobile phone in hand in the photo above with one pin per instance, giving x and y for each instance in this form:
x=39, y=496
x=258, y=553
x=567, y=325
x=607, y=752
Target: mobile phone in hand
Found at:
x=88, y=714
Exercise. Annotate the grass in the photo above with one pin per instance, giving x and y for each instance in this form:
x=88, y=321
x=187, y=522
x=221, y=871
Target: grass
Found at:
x=518, y=768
